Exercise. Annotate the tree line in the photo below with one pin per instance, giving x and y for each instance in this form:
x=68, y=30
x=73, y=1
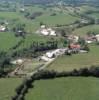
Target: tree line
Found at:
x=22, y=90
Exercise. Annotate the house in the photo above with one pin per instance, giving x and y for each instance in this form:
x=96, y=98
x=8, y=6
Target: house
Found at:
x=22, y=9
x=2, y=28
x=74, y=46
x=84, y=21
x=18, y=61
x=73, y=38
x=90, y=39
x=52, y=33
x=97, y=37
x=43, y=26
x=44, y=58
x=50, y=54
x=46, y=31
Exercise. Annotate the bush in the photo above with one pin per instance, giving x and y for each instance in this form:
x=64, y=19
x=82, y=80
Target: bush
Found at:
x=18, y=89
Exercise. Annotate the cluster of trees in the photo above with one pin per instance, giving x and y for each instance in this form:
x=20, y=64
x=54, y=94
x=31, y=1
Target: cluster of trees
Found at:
x=69, y=2
x=35, y=49
x=33, y=15
x=18, y=44
x=45, y=74
x=19, y=30
x=5, y=66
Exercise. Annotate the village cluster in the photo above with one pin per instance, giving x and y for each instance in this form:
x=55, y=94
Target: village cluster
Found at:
x=73, y=47
x=46, y=31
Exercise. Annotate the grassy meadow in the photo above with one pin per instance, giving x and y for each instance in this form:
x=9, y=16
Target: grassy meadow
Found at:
x=76, y=61
x=70, y=88
x=31, y=26
x=7, y=87
x=84, y=30
x=7, y=40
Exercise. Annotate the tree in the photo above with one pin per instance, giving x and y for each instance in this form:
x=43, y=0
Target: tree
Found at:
x=63, y=33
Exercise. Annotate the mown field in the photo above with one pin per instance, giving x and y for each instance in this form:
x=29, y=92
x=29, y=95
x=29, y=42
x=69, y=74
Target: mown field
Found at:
x=70, y=88
x=76, y=61
x=84, y=30
x=8, y=86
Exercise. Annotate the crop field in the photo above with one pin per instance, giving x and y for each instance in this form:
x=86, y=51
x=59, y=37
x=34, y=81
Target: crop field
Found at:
x=7, y=87
x=84, y=30
x=76, y=61
x=70, y=88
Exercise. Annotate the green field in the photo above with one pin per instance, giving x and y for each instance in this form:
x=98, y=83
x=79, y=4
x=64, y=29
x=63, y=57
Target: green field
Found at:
x=84, y=30
x=7, y=40
x=31, y=26
x=70, y=88
x=76, y=61
x=7, y=87
x=95, y=15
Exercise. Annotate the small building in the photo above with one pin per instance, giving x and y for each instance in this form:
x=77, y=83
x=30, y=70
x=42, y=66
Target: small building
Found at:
x=22, y=9
x=97, y=37
x=44, y=32
x=43, y=26
x=52, y=33
x=84, y=21
x=74, y=46
x=18, y=61
x=73, y=38
x=2, y=28
x=44, y=58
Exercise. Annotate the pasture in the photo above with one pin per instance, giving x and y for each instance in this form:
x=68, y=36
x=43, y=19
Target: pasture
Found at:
x=70, y=88
x=7, y=41
x=76, y=61
x=31, y=26
x=84, y=30
x=7, y=87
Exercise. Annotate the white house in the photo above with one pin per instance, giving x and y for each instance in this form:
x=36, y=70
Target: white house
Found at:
x=43, y=26
x=44, y=32
x=18, y=61
x=2, y=28
x=97, y=37
x=52, y=33
x=45, y=58
x=89, y=41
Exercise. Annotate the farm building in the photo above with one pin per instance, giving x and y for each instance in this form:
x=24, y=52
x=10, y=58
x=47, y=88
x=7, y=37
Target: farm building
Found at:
x=73, y=38
x=46, y=31
x=97, y=37
x=52, y=54
x=18, y=61
x=74, y=46
x=2, y=28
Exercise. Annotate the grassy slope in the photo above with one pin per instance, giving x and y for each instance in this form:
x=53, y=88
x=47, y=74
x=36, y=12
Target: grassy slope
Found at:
x=7, y=87
x=7, y=40
x=86, y=8
x=65, y=89
x=76, y=61
x=95, y=15
x=91, y=28
x=31, y=25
